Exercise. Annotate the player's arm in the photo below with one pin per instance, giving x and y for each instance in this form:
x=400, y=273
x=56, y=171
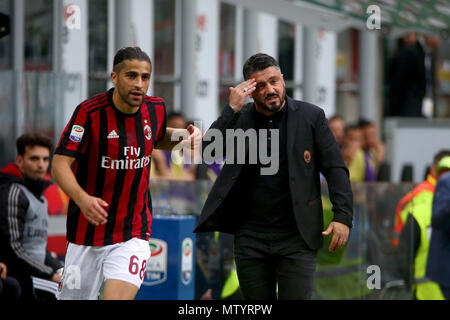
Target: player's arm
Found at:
x=190, y=138
x=91, y=207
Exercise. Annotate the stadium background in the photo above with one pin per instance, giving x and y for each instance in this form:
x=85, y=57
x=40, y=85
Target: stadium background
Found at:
x=55, y=53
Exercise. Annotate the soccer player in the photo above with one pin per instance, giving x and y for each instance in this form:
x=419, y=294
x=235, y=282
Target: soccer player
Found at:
x=103, y=163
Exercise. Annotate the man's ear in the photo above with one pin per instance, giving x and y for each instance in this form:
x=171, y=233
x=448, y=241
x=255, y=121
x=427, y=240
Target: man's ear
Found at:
x=432, y=171
x=19, y=162
x=113, y=77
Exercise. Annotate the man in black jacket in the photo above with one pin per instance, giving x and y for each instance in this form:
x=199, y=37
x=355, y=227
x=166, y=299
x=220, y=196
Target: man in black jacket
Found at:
x=24, y=216
x=276, y=217
x=413, y=78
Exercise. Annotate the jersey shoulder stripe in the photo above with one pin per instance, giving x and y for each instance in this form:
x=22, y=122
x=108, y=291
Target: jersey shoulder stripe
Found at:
x=98, y=106
x=154, y=99
x=94, y=98
x=95, y=102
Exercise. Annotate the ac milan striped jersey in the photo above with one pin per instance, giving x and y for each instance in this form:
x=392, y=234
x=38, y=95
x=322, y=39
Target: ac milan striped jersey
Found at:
x=112, y=152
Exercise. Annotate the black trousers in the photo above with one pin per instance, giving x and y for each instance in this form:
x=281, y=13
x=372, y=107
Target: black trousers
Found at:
x=446, y=292
x=264, y=260
x=10, y=289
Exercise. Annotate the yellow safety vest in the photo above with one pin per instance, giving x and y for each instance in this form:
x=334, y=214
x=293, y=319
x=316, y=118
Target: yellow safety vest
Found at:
x=231, y=284
x=421, y=208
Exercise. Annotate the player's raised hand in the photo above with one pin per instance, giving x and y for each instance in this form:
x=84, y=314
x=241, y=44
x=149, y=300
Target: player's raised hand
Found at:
x=239, y=93
x=191, y=143
x=195, y=136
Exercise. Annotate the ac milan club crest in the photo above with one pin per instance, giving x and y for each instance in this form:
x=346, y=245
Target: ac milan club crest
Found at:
x=147, y=132
x=307, y=156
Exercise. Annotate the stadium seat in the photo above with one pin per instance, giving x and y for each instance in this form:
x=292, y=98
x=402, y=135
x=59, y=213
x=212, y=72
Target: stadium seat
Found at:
x=407, y=174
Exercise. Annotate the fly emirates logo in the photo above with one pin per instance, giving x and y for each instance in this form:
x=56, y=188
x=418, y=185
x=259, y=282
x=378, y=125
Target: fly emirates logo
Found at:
x=131, y=160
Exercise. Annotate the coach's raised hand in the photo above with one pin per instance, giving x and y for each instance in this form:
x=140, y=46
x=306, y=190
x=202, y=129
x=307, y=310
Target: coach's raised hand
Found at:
x=239, y=93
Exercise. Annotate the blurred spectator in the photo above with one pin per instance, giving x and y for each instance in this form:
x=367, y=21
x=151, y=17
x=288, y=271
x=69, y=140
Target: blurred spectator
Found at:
x=173, y=164
x=408, y=38
x=405, y=205
x=57, y=200
x=405, y=40
x=411, y=231
x=413, y=78
x=24, y=215
x=337, y=126
x=176, y=120
x=353, y=153
x=9, y=286
x=159, y=167
x=438, y=266
x=374, y=149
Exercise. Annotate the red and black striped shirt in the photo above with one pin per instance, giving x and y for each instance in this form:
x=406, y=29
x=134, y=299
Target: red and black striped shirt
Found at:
x=112, y=152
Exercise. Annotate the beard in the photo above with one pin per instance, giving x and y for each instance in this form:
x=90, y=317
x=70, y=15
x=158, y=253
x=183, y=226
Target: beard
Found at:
x=271, y=106
x=36, y=185
x=128, y=98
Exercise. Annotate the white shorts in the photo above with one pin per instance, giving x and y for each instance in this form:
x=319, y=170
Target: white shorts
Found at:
x=87, y=267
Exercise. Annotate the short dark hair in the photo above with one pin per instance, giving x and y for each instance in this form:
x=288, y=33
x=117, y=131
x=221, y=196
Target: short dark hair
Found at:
x=439, y=155
x=174, y=114
x=129, y=53
x=258, y=62
x=363, y=123
x=353, y=126
x=32, y=140
x=335, y=117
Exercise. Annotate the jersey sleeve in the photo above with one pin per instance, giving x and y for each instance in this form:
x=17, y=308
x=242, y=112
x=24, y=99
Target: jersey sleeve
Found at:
x=76, y=134
x=162, y=121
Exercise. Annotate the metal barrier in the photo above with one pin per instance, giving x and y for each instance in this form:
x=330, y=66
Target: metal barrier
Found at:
x=344, y=274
